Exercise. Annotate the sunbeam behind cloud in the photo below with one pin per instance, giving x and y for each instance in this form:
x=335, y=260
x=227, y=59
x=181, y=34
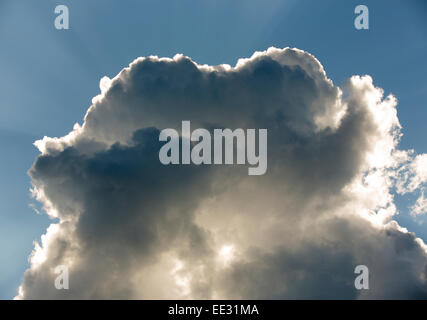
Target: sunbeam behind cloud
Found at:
x=130, y=227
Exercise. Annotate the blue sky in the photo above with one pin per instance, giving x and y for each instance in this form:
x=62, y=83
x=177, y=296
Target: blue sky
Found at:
x=49, y=76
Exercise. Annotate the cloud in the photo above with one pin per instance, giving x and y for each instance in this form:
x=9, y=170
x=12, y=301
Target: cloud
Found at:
x=130, y=227
x=420, y=206
x=412, y=178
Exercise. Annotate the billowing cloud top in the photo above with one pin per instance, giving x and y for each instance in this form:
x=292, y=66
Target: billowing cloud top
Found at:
x=130, y=227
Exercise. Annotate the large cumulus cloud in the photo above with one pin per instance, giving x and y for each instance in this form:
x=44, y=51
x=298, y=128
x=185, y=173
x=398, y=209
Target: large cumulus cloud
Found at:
x=130, y=227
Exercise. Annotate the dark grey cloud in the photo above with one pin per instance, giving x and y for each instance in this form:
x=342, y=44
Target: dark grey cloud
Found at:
x=125, y=208
x=130, y=227
x=324, y=269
